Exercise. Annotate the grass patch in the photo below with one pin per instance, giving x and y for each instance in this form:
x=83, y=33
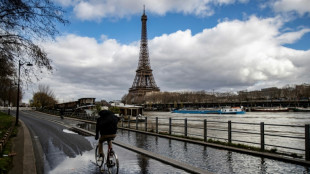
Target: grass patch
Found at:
x=6, y=121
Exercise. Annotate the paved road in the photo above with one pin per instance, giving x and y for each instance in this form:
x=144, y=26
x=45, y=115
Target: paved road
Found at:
x=51, y=142
x=59, y=150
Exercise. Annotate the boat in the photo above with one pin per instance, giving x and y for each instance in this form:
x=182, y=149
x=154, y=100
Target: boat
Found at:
x=138, y=118
x=225, y=110
x=232, y=110
x=299, y=109
x=189, y=111
x=270, y=109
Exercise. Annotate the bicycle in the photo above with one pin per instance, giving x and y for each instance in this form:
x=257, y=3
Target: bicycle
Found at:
x=110, y=161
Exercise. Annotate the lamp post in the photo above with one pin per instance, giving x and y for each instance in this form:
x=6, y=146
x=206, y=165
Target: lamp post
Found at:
x=17, y=107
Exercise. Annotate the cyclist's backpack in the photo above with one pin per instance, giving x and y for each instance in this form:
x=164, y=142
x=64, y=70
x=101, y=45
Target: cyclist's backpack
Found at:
x=107, y=122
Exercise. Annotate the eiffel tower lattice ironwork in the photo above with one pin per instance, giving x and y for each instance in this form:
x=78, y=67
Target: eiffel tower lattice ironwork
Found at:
x=144, y=80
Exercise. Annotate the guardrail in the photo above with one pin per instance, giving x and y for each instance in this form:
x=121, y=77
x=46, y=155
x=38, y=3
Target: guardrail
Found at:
x=292, y=140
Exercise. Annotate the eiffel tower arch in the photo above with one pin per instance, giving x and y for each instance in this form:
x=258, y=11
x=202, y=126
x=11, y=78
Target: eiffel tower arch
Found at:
x=144, y=80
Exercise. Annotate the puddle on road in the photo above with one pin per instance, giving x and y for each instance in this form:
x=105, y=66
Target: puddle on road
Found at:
x=54, y=158
x=130, y=163
x=87, y=126
x=69, y=131
x=80, y=164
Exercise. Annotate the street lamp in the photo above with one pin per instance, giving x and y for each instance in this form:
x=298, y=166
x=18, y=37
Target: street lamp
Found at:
x=17, y=107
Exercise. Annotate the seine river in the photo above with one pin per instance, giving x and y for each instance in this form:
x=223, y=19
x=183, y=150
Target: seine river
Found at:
x=276, y=123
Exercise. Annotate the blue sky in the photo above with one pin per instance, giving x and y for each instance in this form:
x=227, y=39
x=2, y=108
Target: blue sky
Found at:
x=127, y=29
x=225, y=45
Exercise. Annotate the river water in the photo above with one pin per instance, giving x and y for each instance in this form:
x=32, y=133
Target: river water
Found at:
x=208, y=158
x=217, y=121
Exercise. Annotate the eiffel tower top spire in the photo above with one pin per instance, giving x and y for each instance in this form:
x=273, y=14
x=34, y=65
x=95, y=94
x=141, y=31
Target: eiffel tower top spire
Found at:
x=143, y=9
x=144, y=80
x=144, y=61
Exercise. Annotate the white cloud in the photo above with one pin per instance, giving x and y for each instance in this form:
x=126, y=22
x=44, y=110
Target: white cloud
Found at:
x=97, y=9
x=233, y=55
x=86, y=68
x=300, y=6
x=291, y=37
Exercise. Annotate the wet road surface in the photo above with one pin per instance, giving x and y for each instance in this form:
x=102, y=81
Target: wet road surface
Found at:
x=63, y=151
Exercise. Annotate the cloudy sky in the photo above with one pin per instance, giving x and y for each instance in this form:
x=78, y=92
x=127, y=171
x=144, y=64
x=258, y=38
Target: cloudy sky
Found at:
x=220, y=45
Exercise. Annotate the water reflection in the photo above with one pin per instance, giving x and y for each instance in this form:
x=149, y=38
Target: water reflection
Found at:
x=211, y=159
x=142, y=160
x=130, y=163
x=54, y=157
x=263, y=166
x=87, y=126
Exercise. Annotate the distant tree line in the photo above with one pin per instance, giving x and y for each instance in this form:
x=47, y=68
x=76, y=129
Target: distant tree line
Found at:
x=288, y=92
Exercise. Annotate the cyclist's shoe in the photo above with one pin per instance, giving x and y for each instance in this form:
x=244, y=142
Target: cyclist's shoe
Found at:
x=100, y=158
x=111, y=163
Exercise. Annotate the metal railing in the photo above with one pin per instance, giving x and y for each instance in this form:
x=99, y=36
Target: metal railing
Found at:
x=292, y=140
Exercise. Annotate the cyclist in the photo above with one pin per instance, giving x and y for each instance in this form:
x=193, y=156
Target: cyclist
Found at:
x=107, y=126
x=62, y=111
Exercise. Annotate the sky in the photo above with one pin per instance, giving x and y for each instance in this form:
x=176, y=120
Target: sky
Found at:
x=220, y=45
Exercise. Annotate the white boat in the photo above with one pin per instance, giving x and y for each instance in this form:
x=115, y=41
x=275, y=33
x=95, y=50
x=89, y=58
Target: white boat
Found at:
x=127, y=118
x=232, y=110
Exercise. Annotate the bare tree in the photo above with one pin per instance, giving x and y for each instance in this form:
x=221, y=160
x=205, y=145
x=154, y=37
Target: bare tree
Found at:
x=24, y=23
x=44, y=97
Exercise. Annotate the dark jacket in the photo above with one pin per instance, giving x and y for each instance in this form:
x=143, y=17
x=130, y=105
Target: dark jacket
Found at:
x=106, y=123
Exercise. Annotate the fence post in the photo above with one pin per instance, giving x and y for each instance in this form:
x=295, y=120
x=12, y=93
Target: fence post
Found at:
x=205, y=130
x=307, y=142
x=262, y=136
x=185, y=127
x=157, y=125
x=122, y=123
x=229, y=131
x=137, y=119
x=170, y=126
x=129, y=122
x=145, y=124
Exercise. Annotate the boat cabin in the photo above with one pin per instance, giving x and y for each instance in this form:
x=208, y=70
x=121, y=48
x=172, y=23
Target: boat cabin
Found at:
x=130, y=110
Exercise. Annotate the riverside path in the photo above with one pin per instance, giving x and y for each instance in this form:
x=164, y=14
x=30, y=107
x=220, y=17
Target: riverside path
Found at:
x=63, y=151
x=59, y=150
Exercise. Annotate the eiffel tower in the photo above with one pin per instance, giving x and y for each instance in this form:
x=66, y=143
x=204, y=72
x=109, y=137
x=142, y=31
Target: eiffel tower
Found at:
x=144, y=81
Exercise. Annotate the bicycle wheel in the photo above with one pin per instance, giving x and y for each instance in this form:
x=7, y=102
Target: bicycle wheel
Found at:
x=112, y=163
x=99, y=160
